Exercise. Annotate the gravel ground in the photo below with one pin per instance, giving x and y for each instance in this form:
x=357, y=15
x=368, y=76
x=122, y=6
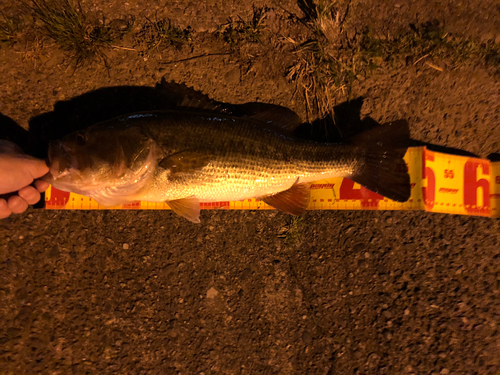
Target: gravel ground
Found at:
x=133, y=292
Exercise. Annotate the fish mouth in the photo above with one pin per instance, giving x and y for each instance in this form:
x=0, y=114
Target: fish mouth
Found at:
x=61, y=163
x=57, y=171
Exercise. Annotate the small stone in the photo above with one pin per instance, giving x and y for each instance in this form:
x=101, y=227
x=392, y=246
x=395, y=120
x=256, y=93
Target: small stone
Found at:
x=126, y=246
x=167, y=270
x=373, y=360
x=306, y=337
x=445, y=371
x=212, y=293
x=54, y=253
x=233, y=76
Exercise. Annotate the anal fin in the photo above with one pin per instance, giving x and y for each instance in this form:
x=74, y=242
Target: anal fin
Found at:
x=187, y=207
x=292, y=201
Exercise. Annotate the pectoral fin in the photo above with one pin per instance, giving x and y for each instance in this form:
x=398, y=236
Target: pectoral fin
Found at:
x=185, y=162
x=293, y=201
x=187, y=207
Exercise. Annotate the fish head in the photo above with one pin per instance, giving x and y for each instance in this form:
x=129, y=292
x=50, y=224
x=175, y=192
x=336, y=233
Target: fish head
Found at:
x=101, y=156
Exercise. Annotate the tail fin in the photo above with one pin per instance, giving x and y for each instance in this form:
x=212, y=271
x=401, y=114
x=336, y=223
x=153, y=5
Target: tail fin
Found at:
x=384, y=171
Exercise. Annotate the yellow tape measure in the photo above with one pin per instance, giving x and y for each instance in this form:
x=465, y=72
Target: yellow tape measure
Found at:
x=439, y=183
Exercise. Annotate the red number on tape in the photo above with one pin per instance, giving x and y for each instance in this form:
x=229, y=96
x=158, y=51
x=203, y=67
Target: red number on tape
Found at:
x=429, y=192
x=472, y=184
x=448, y=173
x=58, y=198
x=368, y=198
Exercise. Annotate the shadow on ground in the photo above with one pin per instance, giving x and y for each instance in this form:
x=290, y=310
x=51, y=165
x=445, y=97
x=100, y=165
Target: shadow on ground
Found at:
x=109, y=102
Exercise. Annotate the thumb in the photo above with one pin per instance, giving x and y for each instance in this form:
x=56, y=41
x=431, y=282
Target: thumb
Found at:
x=35, y=167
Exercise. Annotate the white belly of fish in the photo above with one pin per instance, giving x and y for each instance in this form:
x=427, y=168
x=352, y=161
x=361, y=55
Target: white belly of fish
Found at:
x=236, y=181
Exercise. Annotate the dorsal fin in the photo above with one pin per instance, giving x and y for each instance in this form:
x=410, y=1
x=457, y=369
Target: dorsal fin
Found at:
x=272, y=115
x=188, y=207
x=184, y=96
x=293, y=201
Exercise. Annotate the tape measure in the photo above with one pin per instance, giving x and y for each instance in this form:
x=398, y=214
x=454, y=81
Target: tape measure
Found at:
x=439, y=183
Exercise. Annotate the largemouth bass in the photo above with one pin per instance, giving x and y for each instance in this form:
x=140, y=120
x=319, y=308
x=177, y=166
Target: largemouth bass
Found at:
x=187, y=157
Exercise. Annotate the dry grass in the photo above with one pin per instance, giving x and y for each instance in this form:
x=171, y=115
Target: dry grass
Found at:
x=429, y=44
x=86, y=39
x=292, y=232
x=324, y=69
x=161, y=33
x=64, y=22
x=328, y=64
x=11, y=29
x=236, y=32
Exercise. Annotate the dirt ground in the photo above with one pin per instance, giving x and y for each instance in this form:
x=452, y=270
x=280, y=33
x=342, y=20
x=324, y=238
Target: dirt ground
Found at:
x=147, y=292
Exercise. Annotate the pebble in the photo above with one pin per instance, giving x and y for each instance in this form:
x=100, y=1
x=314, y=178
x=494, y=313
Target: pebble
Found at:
x=306, y=337
x=125, y=246
x=233, y=76
x=212, y=293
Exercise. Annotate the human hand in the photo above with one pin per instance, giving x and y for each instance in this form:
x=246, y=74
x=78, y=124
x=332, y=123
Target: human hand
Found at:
x=17, y=172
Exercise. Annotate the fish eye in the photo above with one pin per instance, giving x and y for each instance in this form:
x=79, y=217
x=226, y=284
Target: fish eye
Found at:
x=80, y=139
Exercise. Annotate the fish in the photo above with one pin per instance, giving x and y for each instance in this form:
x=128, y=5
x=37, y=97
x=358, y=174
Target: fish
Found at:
x=185, y=157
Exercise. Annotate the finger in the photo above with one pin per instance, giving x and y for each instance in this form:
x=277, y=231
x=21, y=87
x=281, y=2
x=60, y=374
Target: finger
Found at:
x=29, y=194
x=36, y=167
x=5, y=211
x=17, y=204
x=9, y=147
x=41, y=186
